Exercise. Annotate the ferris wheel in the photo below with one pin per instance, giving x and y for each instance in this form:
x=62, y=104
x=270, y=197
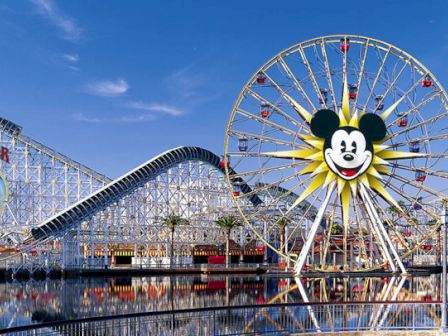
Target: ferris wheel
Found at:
x=355, y=130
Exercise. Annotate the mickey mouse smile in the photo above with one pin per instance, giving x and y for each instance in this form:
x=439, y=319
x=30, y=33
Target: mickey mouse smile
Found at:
x=348, y=172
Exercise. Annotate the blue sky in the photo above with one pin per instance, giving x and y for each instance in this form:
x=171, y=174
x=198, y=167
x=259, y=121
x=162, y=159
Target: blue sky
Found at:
x=113, y=83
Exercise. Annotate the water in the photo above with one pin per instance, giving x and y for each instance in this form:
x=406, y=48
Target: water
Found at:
x=23, y=303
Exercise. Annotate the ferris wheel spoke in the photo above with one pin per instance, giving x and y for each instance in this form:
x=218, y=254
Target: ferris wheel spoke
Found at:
x=297, y=84
x=268, y=170
x=305, y=214
x=411, y=199
x=422, y=123
x=268, y=122
x=419, y=140
x=264, y=100
x=252, y=136
x=415, y=108
x=311, y=75
x=268, y=186
x=328, y=74
x=361, y=71
x=426, y=170
x=376, y=79
x=390, y=223
x=300, y=110
x=419, y=186
x=279, y=198
x=389, y=87
x=362, y=248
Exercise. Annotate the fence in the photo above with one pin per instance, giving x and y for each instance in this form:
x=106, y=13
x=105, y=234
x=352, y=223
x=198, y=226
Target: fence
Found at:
x=276, y=319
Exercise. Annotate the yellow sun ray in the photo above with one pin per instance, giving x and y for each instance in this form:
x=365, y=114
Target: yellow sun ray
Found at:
x=318, y=144
x=293, y=154
x=315, y=184
x=311, y=168
x=378, y=187
x=330, y=178
x=388, y=111
x=390, y=154
x=345, y=101
x=299, y=108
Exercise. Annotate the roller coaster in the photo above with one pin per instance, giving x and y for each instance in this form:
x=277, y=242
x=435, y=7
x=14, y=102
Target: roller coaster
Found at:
x=60, y=213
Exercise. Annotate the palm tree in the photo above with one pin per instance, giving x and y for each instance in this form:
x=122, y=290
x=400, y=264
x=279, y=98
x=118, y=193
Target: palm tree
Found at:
x=171, y=221
x=396, y=212
x=227, y=224
x=282, y=224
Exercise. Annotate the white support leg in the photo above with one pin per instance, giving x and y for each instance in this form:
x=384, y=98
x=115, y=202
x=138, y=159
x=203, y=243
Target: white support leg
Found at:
x=310, y=239
x=383, y=230
x=394, y=298
x=309, y=308
x=374, y=223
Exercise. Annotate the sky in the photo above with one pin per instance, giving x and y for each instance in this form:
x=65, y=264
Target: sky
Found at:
x=113, y=83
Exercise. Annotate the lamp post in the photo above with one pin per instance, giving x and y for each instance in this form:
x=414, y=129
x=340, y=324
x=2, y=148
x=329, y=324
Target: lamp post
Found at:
x=444, y=257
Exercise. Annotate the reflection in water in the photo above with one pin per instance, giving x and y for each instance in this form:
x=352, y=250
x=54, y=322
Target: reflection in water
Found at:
x=23, y=303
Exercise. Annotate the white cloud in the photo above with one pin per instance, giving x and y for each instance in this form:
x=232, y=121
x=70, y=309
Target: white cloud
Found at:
x=84, y=118
x=107, y=88
x=71, y=57
x=68, y=26
x=156, y=107
x=137, y=118
x=121, y=119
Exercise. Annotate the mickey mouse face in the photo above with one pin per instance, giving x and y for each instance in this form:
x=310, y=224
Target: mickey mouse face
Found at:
x=348, y=151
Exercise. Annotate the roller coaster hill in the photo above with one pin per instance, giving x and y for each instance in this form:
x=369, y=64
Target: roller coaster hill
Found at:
x=59, y=214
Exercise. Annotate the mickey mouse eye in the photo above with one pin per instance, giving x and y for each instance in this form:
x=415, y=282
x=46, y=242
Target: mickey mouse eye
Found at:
x=343, y=146
x=354, y=146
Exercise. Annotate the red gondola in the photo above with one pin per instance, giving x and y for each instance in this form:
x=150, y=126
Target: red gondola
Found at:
x=236, y=190
x=352, y=91
x=261, y=78
x=265, y=111
x=345, y=44
x=403, y=120
x=420, y=176
x=223, y=163
x=427, y=82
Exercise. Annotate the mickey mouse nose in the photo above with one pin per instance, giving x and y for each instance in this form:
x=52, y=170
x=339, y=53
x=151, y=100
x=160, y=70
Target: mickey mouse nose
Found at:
x=348, y=157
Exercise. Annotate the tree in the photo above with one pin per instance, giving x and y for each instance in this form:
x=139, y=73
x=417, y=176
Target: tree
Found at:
x=396, y=212
x=282, y=224
x=172, y=221
x=227, y=224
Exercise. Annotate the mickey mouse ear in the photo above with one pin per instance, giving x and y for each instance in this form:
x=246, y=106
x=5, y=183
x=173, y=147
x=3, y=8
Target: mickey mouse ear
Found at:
x=324, y=123
x=373, y=126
